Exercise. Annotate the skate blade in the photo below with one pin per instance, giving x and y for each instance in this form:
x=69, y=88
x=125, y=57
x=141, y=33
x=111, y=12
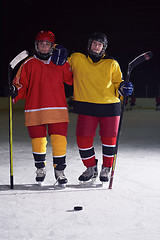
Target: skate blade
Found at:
x=104, y=184
x=91, y=182
x=59, y=185
x=40, y=184
x=62, y=185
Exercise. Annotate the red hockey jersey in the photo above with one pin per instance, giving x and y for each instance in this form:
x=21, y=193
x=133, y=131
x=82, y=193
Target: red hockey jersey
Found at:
x=41, y=85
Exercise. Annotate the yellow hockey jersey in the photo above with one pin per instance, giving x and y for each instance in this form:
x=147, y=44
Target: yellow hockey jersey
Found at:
x=95, y=85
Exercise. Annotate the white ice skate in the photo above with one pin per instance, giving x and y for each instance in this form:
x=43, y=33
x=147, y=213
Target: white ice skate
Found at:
x=40, y=175
x=60, y=178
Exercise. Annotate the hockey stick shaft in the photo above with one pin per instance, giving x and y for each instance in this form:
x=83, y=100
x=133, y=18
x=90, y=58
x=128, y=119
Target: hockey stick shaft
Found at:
x=10, y=131
x=11, y=66
x=11, y=142
x=141, y=58
x=118, y=135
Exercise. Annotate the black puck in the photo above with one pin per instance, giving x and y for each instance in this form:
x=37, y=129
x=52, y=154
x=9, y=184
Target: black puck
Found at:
x=78, y=208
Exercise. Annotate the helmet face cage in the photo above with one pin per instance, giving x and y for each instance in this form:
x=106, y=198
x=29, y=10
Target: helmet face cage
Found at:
x=44, y=36
x=100, y=37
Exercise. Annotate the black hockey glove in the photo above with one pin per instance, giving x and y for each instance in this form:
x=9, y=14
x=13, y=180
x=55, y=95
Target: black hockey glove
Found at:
x=11, y=91
x=59, y=56
x=125, y=89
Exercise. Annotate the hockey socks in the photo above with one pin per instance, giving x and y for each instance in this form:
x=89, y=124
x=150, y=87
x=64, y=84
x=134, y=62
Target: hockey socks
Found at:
x=39, y=151
x=108, y=150
x=86, y=150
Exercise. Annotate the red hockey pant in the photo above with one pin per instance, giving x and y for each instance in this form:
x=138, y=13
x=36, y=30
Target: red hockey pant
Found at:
x=86, y=128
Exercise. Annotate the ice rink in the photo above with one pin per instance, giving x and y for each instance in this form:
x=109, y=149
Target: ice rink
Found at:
x=131, y=210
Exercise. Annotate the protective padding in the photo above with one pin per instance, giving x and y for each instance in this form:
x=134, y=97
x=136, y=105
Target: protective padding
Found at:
x=108, y=141
x=86, y=150
x=59, y=145
x=109, y=150
x=84, y=142
x=39, y=145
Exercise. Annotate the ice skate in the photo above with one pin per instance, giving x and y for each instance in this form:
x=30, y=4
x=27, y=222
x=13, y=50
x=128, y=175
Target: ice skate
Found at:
x=40, y=175
x=104, y=174
x=60, y=178
x=91, y=173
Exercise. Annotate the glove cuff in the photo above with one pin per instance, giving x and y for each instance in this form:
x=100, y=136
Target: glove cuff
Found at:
x=120, y=90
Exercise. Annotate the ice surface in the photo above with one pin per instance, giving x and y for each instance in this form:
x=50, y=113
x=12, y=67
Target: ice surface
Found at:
x=131, y=210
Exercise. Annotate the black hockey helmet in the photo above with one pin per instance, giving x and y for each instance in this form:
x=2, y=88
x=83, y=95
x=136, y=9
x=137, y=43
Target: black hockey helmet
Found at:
x=100, y=37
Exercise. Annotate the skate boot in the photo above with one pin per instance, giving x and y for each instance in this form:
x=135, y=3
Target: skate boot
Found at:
x=60, y=177
x=40, y=175
x=91, y=173
x=104, y=174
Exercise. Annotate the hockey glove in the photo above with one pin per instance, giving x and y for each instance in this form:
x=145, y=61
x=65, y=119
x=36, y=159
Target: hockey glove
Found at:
x=126, y=88
x=11, y=91
x=59, y=56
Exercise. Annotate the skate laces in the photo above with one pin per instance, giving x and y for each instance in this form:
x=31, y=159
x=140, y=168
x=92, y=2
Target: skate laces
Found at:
x=105, y=171
x=40, y=172
x=89, y=171
x=59, y=174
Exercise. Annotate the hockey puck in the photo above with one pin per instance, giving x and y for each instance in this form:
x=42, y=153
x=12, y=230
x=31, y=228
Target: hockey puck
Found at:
x=78, y=208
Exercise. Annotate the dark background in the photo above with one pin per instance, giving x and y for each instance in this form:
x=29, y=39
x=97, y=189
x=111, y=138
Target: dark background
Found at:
x=132, y=27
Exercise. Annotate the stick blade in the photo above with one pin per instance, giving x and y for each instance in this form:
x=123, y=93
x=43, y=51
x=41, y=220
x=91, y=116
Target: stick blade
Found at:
x=148, y=55
x=141, y=58
x=19, y=58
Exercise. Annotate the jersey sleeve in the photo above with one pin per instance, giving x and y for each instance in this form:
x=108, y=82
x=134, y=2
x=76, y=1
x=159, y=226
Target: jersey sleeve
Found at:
x=67, y=74
x=116, y=76
x=21, y=82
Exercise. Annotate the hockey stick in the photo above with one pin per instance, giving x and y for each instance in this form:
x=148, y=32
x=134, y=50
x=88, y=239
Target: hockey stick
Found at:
x=141, y=58
x=11, y=66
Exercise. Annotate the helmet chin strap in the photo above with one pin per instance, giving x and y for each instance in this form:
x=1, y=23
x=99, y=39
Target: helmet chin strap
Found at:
x=42, y=56
x=95, y=56
x=99, y=37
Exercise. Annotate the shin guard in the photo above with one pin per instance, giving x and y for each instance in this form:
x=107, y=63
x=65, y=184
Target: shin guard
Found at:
x=108, y=150
x=86, y=150
x=59, y=145
x=39, y=151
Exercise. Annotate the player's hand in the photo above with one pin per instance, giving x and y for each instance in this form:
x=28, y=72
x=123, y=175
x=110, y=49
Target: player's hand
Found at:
x=59, y=56
x=11, y=91
x=126, y=88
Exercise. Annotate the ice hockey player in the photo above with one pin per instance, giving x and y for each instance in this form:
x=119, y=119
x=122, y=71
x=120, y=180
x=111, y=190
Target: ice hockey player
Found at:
x=97, y=79
x=40, y=82
x=157, y=103
x=132, y=102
